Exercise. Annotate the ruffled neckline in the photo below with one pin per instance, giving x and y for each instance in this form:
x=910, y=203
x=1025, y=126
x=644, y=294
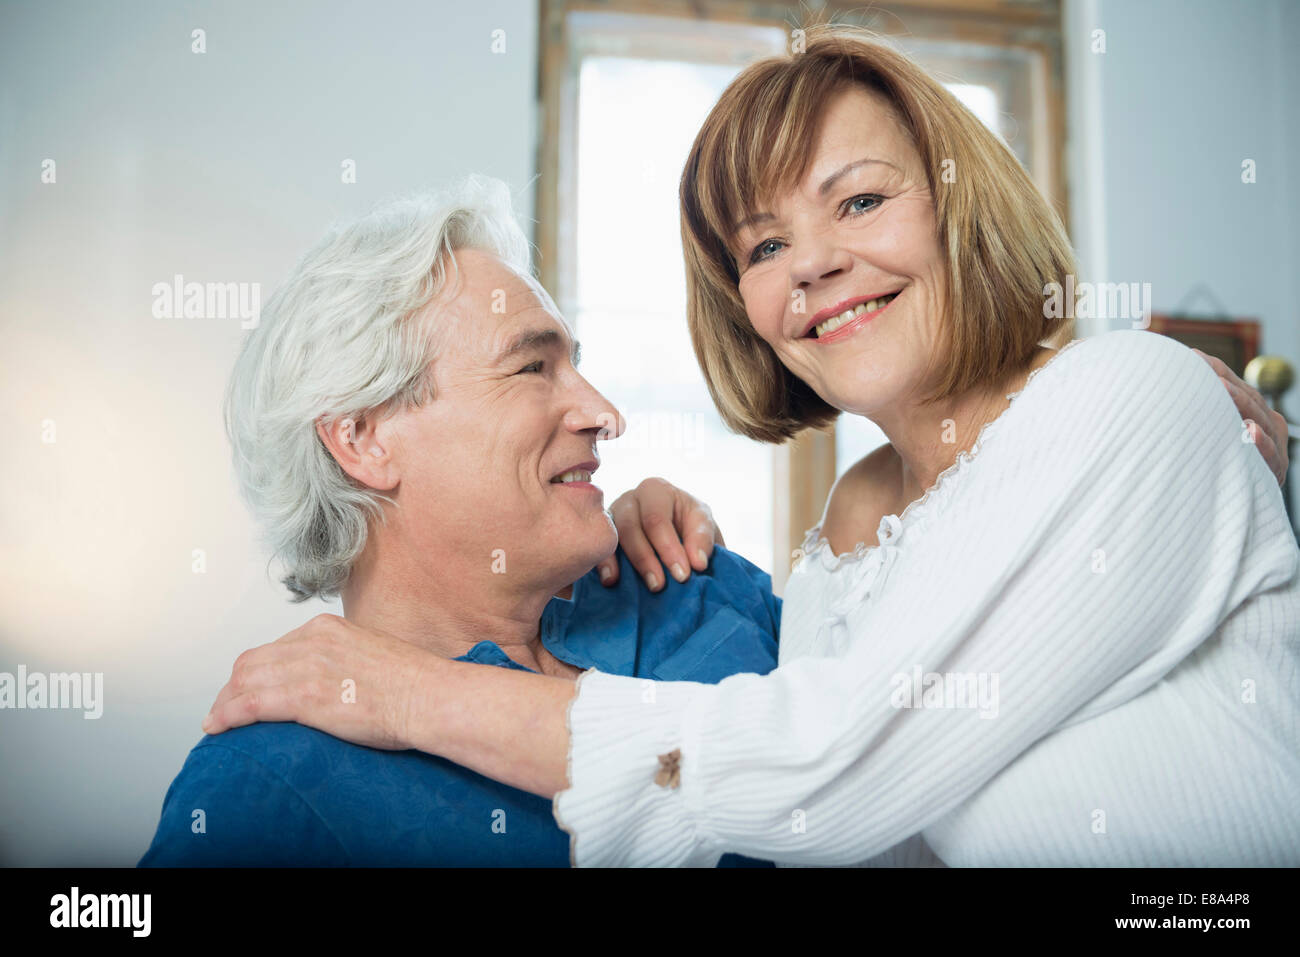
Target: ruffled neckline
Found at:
x=892, y=527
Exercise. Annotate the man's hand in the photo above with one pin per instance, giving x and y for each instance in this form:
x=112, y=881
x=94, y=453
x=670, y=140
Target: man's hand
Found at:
x=1268, y=430
x=658, y=522
x=331, y=675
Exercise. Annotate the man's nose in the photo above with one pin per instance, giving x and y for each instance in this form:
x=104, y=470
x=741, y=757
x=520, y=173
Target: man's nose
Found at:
x=592, y=411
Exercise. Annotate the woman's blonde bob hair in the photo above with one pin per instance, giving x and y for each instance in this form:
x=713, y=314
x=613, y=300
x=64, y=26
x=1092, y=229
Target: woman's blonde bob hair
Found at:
x=1002, y=241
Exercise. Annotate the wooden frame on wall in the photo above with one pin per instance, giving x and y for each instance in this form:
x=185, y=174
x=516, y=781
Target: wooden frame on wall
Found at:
x=804, y=470
x=1235, y=341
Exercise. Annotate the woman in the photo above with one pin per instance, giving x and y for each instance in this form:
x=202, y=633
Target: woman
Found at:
x=1079, y=542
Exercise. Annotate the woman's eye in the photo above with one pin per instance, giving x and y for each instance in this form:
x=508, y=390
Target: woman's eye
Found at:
x=855, y=205
x=765, y=249
x=531, y=367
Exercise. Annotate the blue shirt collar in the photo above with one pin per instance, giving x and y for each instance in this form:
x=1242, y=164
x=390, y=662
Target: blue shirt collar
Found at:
x=595, y=628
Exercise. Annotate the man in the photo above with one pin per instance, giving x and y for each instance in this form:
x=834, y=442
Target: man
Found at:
x=411, y=429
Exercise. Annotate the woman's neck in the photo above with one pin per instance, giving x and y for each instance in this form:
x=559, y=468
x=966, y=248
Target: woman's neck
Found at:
x=928, y=437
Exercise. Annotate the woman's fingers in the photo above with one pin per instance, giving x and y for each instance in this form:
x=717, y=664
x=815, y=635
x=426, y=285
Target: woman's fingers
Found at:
x=627, y=520
x=254, y=680
x=1273, y=435
x=607, y=568
x=240, y=676
x=1269, y=449
x=1270, y=432
x=273, y=703
x=1257, y=421
x=329, y=674
x=636, y=545
x=1280, y=431
x=626, y=514
x=701, y=532
x=293, y=677
x=660, y=526
x=660, y=505
x=608, y=571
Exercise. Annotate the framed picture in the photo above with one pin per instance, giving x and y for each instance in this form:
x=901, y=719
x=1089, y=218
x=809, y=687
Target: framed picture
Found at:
x=1235, y=341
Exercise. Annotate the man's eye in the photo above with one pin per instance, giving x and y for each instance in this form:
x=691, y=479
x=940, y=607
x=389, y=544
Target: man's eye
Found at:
x=532, y=367
x=765, y=249
x=854, y=206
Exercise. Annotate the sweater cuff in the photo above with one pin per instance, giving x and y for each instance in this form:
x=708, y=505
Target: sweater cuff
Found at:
x=625, y=805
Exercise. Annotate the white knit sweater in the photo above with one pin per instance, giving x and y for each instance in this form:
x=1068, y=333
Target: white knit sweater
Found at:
x=1110, y=579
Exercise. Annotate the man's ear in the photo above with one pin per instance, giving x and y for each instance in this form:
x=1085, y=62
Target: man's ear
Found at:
x=360, y=450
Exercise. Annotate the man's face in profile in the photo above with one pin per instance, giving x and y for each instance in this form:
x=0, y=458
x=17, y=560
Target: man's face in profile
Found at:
x=499, y=458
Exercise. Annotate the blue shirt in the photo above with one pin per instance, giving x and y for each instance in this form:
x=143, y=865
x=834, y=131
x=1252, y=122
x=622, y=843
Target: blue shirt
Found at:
x=285, y=795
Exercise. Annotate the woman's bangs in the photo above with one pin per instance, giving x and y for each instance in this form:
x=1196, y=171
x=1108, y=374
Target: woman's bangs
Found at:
x=764, y=150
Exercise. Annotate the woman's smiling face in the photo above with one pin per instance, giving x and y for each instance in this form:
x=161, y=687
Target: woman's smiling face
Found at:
x=858, y=227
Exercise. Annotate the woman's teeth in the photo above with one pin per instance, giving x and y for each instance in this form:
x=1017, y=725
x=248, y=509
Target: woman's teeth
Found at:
x=848, y=315
x=576, y=475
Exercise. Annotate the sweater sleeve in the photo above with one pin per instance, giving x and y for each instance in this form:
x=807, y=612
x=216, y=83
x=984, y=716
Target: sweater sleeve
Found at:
x=1104, y=532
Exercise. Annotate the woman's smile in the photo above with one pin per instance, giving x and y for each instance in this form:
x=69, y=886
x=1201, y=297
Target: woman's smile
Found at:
x=842, y=320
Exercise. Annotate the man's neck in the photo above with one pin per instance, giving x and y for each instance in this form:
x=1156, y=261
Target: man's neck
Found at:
x=448, y=613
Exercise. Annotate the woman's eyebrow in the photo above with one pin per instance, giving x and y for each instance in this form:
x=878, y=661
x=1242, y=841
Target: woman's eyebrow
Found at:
x=822, y=190
x=831, y=180
x=751, y=221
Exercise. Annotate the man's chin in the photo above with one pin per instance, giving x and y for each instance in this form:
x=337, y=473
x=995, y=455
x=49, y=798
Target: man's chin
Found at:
x=578, y=552
x=581, y=566
x=607, y=548
x=601, y=552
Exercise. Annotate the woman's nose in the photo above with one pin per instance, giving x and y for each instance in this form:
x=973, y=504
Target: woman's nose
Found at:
x=817, y=258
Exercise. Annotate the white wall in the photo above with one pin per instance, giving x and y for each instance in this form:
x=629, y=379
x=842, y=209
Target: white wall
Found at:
x=1188, y=89
x=1159, y=127
x=222, y=167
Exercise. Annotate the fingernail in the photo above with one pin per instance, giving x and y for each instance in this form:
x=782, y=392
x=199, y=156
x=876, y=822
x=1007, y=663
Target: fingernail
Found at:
x=653, y=582
x=208, y=722
x=701, y=557
x=678, y=572
x=606, y=573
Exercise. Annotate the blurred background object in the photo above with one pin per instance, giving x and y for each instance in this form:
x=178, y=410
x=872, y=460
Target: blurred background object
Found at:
x=1235, y=341
x=1272, y=376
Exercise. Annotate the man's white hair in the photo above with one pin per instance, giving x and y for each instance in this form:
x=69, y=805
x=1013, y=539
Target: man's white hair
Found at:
x=340, y=338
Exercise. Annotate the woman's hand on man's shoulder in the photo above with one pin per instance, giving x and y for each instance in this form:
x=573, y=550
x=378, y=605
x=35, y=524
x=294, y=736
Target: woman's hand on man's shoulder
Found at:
x=661, y=526
x=1265, y=426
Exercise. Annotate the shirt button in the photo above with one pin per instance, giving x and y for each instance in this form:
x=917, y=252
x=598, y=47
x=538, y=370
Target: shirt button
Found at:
x=669, y=774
